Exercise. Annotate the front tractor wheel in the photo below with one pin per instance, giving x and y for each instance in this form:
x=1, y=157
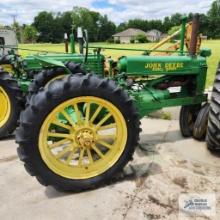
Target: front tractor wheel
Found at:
x=188, y=116
x=77, y=133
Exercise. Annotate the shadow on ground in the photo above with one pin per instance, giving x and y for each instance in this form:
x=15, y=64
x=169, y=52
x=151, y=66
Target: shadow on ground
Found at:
x=138, y=170
x=135, y=172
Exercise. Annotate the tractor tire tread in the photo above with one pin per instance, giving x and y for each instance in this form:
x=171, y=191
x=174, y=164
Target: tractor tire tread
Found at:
x=213, y=137
x=73, y=86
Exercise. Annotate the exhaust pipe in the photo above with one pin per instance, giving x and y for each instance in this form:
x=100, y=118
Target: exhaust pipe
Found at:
x=66, y=43
x=194, y=35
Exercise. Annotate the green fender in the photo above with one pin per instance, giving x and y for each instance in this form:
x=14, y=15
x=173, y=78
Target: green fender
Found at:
x=48, y=62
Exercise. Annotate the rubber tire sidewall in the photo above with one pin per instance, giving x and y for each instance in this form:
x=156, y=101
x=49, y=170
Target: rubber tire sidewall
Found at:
x=185, y=128
x=48, y=177
x=201, y=123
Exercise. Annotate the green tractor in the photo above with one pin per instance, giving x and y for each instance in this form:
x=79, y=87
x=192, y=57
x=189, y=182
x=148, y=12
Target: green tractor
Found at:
x=78, y=131
x=22, y=77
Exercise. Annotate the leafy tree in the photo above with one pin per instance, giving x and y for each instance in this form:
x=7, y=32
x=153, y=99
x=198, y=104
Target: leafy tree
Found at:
x=214, y=20
x=176, y=19
x=66, y=21
x=44, y=23
x=30, y=34
x=138, y=23
x=16, y=27
x=155, y=24
x=167, y=24
x=173, y=30
x=141, y=38
x=86, y=19
x=106, y=28
x=132, y=41
x=121, y=27
x=57, y=30
x=204, y=23
x=98, y=26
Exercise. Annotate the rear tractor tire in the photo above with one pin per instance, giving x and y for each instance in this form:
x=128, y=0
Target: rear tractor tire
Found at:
x=213, y=134
x=188, y=116
x=10, y=104
x=67, y=145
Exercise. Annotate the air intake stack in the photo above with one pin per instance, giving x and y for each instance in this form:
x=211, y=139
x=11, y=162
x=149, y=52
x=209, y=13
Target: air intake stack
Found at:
x=194, y=36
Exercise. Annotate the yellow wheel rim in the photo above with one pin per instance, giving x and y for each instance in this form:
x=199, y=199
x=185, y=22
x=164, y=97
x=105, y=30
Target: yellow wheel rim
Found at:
x=87, y=144
x=5, y=107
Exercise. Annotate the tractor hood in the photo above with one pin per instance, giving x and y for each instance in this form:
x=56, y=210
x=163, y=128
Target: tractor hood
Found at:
x=154, y=65
x=37, y=62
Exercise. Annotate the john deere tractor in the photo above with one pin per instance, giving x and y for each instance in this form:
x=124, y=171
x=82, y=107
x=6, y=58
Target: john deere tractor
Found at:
x=21, y=77
x=78, y=131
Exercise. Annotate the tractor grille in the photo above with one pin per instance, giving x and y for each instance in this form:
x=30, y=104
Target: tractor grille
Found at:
x=96, y=64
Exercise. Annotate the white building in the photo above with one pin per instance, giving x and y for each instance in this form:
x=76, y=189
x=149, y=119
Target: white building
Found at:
x=153, y=35
x=127, y=35
x=130, y=34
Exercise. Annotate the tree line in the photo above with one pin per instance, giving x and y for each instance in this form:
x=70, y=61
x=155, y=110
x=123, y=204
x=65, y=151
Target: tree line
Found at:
x=50, y=27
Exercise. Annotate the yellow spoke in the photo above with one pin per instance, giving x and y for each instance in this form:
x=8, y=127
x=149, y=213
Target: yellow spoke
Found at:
x=63, y=152
x=105, y=127
x=103, y=120
x=58, y=143
x=87, y=113
x=50, y=134
x=61, y=125
x=105, y=144
x=89, y=156
x=97, y=151
x=106, y=136
x=70, y=157
x=81, y=156
x=68, y=118
x=74, y=140
x=77, y=114
x=96, y=114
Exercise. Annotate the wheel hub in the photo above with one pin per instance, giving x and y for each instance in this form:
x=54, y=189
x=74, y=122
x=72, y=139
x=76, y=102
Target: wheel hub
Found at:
x=85, y=138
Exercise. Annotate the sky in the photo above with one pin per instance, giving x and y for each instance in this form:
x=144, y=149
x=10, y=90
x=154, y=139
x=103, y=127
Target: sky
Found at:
x=117, y=10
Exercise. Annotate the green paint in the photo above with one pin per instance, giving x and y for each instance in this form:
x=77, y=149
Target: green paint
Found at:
x=153, y=65
x=147, y=105
x=72, y=44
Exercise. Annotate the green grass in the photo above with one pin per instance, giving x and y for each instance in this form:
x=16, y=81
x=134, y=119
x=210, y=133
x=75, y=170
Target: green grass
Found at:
x=214, y=45
x=213, y=60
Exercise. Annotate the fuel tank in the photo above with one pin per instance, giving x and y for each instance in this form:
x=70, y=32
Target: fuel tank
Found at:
x=161, y=65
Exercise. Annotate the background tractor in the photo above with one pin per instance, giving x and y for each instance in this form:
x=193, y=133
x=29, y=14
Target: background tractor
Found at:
x=77, y=131
x=21, y=77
